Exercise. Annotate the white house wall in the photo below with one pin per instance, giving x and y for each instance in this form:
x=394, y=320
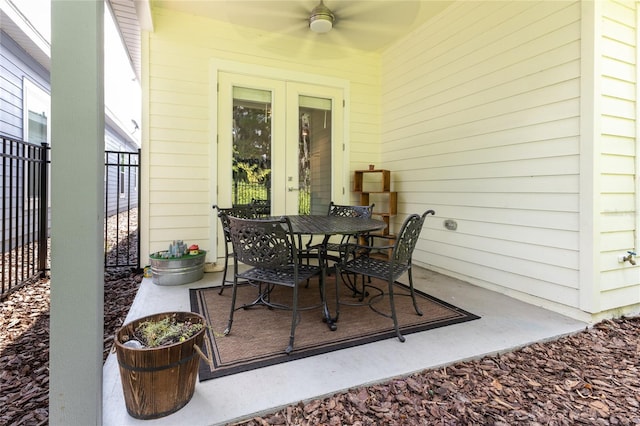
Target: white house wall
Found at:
x=179, y=150
x=481, y=111
x=618, y=215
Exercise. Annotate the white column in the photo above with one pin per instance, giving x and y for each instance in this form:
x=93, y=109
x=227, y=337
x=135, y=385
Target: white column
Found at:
x=77, y=213
x=590, y=153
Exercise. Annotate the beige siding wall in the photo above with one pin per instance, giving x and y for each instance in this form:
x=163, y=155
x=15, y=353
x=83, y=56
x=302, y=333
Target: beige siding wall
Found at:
x=482, y=123
x=619, y=284
x=179, y=151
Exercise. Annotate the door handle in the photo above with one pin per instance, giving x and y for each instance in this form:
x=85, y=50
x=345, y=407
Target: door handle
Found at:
x=291, y=189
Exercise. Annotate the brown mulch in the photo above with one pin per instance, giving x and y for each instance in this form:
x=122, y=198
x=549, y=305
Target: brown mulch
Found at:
x=590, y=378
x=24, y=344
x=24, y=329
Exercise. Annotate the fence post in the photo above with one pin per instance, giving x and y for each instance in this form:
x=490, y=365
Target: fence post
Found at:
x=43, y=210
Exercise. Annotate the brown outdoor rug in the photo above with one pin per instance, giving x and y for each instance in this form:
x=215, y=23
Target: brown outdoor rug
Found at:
x=260, y=335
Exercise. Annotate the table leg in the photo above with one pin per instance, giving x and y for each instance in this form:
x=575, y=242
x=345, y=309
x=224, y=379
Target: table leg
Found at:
x=331, y=322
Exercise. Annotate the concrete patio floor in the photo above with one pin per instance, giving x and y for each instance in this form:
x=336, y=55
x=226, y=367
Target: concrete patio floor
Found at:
x=505, y=324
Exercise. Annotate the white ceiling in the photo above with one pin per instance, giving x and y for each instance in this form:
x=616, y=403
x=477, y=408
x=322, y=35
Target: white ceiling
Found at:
x=369, y=25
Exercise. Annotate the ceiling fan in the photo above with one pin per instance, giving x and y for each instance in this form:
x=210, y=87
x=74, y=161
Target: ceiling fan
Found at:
x=361, y=24
x=321, y=19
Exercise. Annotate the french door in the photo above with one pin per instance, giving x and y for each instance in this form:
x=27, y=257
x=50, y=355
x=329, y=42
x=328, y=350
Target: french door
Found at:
x=279, y=142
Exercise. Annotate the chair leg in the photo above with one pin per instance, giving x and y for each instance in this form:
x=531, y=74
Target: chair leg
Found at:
x=393, y=312
x=226, y=268
x=294, y=317
x=234, y=293
x=337, y=281
x=413, y=293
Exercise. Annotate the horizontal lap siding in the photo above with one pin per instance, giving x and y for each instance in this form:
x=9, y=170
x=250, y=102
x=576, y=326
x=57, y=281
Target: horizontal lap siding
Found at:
x=180, y=145
x=481, y=123
x=619, y=284
x=15, y=65
x=181, y=154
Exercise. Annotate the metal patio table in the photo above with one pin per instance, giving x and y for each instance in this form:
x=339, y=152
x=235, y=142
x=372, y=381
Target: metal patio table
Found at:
x=332, y=225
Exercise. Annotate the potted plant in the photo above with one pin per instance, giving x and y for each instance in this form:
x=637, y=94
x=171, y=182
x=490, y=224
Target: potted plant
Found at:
x=158, y=356
x=179, y=264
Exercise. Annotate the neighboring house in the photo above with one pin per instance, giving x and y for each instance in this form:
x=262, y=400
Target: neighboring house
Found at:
x=515, y=119
x=25, y=102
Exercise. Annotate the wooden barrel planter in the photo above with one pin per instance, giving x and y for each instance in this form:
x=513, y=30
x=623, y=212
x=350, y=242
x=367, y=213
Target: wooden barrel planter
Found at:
x=177, y=270
x=159, y=381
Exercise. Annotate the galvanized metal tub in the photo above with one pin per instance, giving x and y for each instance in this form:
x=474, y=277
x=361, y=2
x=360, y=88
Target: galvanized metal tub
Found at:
x=177, y=270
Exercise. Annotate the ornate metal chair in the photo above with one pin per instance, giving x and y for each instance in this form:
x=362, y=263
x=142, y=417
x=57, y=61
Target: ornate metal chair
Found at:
x=363, y=212
x=357, y=260
x=268, y=246
x=246, y=211
x=262, y=207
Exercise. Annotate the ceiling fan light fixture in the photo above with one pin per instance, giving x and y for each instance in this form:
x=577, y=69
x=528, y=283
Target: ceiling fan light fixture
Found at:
x=321, y=19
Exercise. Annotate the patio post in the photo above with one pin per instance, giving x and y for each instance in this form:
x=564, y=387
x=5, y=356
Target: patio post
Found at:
x=77, y=213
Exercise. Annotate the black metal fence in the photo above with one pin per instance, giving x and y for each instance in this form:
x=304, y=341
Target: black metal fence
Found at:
x=25, y=213
x=122, y=198
x=246, y=193
x=25, y=208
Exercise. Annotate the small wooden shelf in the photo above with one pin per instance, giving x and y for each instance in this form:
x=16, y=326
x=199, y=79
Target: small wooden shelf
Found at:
x=385, y=184
x=385, y=199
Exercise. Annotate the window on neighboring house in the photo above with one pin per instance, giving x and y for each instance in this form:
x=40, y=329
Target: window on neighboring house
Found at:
x=134, y=176
x=36, y=130
x=123, y=177
x=37, y=127
x=37, y=134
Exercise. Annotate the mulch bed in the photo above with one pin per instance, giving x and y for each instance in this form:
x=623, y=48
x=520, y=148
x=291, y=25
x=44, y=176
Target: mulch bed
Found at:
x=590, y=378
x=24, y=344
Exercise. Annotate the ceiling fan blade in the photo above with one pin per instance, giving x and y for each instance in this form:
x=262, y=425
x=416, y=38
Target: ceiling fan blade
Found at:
x=370, y=24
x=375, y=13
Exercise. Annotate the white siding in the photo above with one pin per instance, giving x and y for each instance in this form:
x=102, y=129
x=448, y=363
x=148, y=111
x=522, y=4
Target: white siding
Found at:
x=619, y=284
x=180, y=154
x=482, y=123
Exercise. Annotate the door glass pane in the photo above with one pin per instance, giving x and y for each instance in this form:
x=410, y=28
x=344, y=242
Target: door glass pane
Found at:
x=251, y=160
x=314, y=151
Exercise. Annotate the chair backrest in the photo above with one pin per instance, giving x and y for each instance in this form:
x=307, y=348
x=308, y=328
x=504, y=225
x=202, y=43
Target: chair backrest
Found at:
x=408, y=238
x=262, y=207
x=364, y=212
x=245, y=211
x=263, y=243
